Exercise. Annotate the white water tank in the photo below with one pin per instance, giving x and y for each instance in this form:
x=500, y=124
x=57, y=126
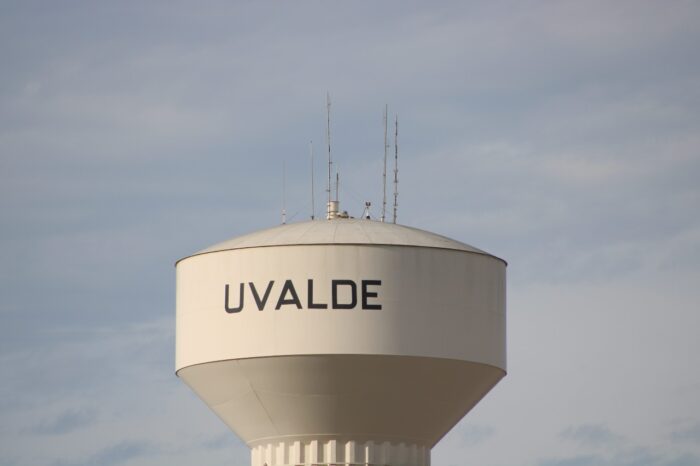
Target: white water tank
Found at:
x=341, y=342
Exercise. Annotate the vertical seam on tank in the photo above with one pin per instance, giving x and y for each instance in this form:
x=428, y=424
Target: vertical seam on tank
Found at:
x=257, y=397
x=364, y=231
x=335, y=231
x=303, y=234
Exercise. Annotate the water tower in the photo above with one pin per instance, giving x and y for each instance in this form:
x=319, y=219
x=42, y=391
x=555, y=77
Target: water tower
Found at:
x=341, y=341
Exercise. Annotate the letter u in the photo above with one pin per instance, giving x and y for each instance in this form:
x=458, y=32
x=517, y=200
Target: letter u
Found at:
x=233, y=310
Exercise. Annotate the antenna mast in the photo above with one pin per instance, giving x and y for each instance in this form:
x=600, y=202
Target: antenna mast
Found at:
x=328, y=138
x=386, y=111
x=284, y=193
x=313, y=203
x=396, y=165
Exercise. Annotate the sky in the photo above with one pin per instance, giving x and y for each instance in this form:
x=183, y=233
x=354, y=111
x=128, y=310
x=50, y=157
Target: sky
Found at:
x=562, y=136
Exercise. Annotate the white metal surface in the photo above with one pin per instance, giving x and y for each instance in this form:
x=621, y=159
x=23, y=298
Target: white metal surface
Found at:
x=349, y=231
x=343, y=341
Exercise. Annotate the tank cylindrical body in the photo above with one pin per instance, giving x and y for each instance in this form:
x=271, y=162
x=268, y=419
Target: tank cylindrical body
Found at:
x=342, y=341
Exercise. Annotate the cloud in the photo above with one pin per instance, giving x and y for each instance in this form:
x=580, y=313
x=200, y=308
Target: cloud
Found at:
x=67, y=421
x=690, y=433
x=116, y=454
x=120, y=453
x=591, y=435
x=584, y=460
x=227, y=439
x=636, y=457
x=473, y=434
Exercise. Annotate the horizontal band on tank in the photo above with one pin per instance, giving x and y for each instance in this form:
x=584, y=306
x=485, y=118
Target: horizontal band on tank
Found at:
x=177, y=371
x=434, y=302
x=485, y=254
x=410, y=399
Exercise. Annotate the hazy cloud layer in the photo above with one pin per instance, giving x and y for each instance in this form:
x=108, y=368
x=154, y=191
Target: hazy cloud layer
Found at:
x=115, y=454
x=687, y=432
x=563, y=137
x=591, y=435
x=67, y=421
x=633, y=459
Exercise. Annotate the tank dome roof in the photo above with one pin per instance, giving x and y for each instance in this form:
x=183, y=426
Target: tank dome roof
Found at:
x=341, y=231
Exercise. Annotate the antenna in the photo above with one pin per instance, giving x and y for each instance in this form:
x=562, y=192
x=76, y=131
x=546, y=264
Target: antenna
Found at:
x=313, y=203
x=337, y=184
x=284, y=193
x=396, y=165
x=365, y=213
x=386, y=111
x=328, y=138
